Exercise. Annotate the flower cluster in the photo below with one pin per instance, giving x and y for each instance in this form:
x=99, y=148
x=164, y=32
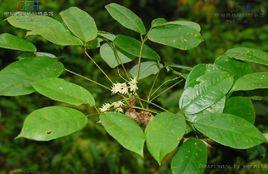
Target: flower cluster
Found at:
x=115, y=105
x=124, y=88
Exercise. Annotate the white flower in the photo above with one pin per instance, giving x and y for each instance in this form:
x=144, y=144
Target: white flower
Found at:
x=133, y=85
x=105, y=107
x=118, y=104
x=120, y=88
x=119, y=110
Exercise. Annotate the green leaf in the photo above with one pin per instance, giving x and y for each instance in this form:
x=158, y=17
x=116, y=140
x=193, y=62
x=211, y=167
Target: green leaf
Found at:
x=146, y=69
x=241, y=107
x=190, y=24
x=49, y=28
x=158, y=21
x=190, y=158
x=17, y=78
x=53, y=122
x=164, y=133
x=126, y=17
x=229, y=130
x=80, y=23
x=196, y=72
x=126, y=131
x=248, y=55
x=107, y=53
x=252, y=81
x=234, y=67
x=133, y=46
x=177, y=36
x=12, y=42
x=61, y=90
x=106, y=35
x=212, y=87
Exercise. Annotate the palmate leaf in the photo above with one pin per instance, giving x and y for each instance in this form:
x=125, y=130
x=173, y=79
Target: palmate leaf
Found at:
x=163, y=134
x=17, y=78
x=49, y=28
x=12, y=42
x=126, y=17
x=61, y=90
x=229, y=130
x=126, y=131
x=53, y=122
x=248, y=55
x=80, y=23
x=190, y=158
x=133, y=47
x=212, y=87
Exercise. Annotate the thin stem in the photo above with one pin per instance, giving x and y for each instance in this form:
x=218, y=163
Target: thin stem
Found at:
x=140, y=55
x=151, y=103
x=98, y=66
x=166, y=90
x=152, y=87
x=165, y=82
x=88, y=79
x=149, y=110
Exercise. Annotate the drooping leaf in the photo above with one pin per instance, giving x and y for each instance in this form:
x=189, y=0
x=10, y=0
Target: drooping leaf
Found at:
x=229, y=130
x=80, y=23
x=61, y=90
x=164, y=133
x=196, y=72
x=49, y=28
x=177, y=36
x=108, y=54
x=12, y=42
x=190, y=158
x=212, y=87
x=234, y=67
x=133, y=46
x=17, y=78
x=126, y=131
x=52, y=122
x=126, y=17
x=146, y=69
x=248, y=55
x=240, y=106
x=252, y=81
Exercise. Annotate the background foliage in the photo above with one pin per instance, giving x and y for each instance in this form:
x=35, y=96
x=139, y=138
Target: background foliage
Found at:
x=225, y=24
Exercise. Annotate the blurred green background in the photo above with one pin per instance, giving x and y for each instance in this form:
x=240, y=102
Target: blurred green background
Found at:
x=225, y=24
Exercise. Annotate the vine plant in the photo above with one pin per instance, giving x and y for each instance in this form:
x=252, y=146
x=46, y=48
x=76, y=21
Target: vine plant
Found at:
x=210, y=105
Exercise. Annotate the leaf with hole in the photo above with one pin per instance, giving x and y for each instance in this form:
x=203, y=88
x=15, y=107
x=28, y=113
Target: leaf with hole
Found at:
x=52, y=122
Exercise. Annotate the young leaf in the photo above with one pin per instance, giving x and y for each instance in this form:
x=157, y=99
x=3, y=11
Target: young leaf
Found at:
x=133, y=46
x=49, y=28
x=12, y=42
x=80, y=23
x=126, y=131
x=190, y=158
x=241, y=107
x=53, y=122
x=61, y=90
x=252, y=81
x=177, y=36
x=234, y=67
x=126, y=17
x=248, y=55
x=212, y=87
x=146, y=69
x=17, y=78
x=108, y=55
x=229, y=130
x=164, y=133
